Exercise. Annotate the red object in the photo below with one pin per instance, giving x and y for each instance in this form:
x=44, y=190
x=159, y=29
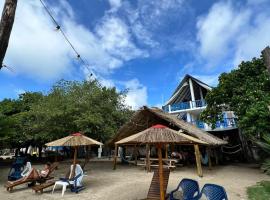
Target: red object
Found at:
x=76, y=134
x=159, y=126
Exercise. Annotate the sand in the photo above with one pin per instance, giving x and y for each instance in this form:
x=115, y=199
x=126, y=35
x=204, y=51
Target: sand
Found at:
x=130, y=182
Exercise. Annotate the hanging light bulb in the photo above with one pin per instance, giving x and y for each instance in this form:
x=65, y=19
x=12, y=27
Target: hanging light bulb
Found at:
x=57, y=28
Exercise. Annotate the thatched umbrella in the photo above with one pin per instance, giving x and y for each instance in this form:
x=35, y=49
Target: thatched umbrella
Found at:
x=74, y=140
x=159, y=135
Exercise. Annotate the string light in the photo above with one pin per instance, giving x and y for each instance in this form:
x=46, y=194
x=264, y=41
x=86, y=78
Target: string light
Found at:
x=58, y=28
x=9, y=68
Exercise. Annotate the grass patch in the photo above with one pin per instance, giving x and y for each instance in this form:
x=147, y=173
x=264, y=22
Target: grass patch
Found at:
x=260, y=191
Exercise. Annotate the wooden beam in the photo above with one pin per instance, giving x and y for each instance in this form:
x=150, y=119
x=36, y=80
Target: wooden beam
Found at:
x=198, y=160
x=160, y=172
x=115, y=157
x=6, y=24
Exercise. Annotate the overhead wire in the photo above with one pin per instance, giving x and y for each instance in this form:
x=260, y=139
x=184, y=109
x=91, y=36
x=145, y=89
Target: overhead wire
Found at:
x=58, y=27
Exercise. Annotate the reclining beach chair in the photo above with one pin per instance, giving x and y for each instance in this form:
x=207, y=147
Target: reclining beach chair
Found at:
x=188, y=189
x=154, y=190
x=10, y=186
x=75, y=183
x=213, y=192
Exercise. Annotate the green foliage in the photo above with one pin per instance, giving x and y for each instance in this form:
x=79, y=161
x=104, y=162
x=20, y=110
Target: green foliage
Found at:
x=246, y=91
x=69, y=107
x=260, y=191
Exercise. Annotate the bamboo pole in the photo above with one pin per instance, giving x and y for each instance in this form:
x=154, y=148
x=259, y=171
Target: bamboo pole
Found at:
x=115, y=157
x=209, y=158
x=198, y=160
x=160, y=171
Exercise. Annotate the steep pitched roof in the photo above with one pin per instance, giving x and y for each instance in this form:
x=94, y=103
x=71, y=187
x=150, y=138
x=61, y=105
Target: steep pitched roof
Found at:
x=147, y=117
x=182, y=85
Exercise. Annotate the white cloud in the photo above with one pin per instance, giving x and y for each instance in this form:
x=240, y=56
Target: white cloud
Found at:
x=230, y=33
x=137, y=94
x=38, y=51
x=115, y=39
x=211, y=80
x=218, y=28
x=115, y=5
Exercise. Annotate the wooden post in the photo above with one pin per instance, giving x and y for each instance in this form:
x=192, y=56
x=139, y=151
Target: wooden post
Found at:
x=6, y=24
x=209, y=157
x=148, y=167
x=216, y=156
x=136, y=155
x=198, y=160
x=115, y=157
x=74, y=161
x=160, y=172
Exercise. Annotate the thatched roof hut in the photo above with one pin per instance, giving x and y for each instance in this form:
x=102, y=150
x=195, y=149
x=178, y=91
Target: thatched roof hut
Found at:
x=147, y=117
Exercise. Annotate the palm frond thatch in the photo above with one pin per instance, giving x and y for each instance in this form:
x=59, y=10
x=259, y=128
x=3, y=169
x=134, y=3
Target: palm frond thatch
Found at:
x=160, y=134
x=147, y=117
x=73, y=141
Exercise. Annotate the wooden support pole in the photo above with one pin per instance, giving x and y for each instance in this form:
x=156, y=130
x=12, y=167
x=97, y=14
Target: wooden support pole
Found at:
x=136, y=155
x=208, y=149
x=160, y=172
x=198, y=160
x=74, y=161
x=115, y=157
x=216, y=156
x=148, y=168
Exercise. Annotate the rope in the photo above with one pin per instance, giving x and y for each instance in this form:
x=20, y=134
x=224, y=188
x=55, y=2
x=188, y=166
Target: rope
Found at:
x=232, y=147
x=234, y=152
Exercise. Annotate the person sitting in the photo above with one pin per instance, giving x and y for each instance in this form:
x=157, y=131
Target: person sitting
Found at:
x=34, y=174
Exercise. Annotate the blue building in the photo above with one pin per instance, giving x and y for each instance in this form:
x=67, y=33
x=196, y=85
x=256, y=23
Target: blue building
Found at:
x=188, y=101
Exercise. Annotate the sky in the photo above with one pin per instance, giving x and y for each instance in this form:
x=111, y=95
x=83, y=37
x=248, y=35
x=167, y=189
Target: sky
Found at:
x=144, y=46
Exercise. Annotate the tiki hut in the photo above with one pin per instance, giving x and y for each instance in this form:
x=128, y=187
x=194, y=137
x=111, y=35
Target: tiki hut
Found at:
x=159, y=135
x=147, y=117
x=74, y=140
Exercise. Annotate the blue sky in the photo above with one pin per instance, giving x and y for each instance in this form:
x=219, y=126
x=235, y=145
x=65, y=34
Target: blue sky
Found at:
x=146, y=46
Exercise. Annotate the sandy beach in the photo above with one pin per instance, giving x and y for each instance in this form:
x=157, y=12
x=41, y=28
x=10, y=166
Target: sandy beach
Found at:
x=130, y=182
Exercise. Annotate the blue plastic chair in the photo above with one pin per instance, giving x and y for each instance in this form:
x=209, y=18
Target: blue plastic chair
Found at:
x=73, y=183
x=190, y=188
x=214, y=192
x=16, y=169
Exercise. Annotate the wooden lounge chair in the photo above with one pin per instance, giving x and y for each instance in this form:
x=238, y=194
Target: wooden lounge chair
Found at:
x=154, y=191
x=10, y=186
x=42, y=186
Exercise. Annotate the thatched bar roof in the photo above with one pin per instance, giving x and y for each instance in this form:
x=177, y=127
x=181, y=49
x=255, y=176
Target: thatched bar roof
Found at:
x=76, y=139
x=160, y=134
x=147, y=117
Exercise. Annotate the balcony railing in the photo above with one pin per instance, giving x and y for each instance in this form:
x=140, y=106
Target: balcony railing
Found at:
x=224, y=123
x=184, y=105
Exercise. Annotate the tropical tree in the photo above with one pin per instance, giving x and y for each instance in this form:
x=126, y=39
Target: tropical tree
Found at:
x=246, y=91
